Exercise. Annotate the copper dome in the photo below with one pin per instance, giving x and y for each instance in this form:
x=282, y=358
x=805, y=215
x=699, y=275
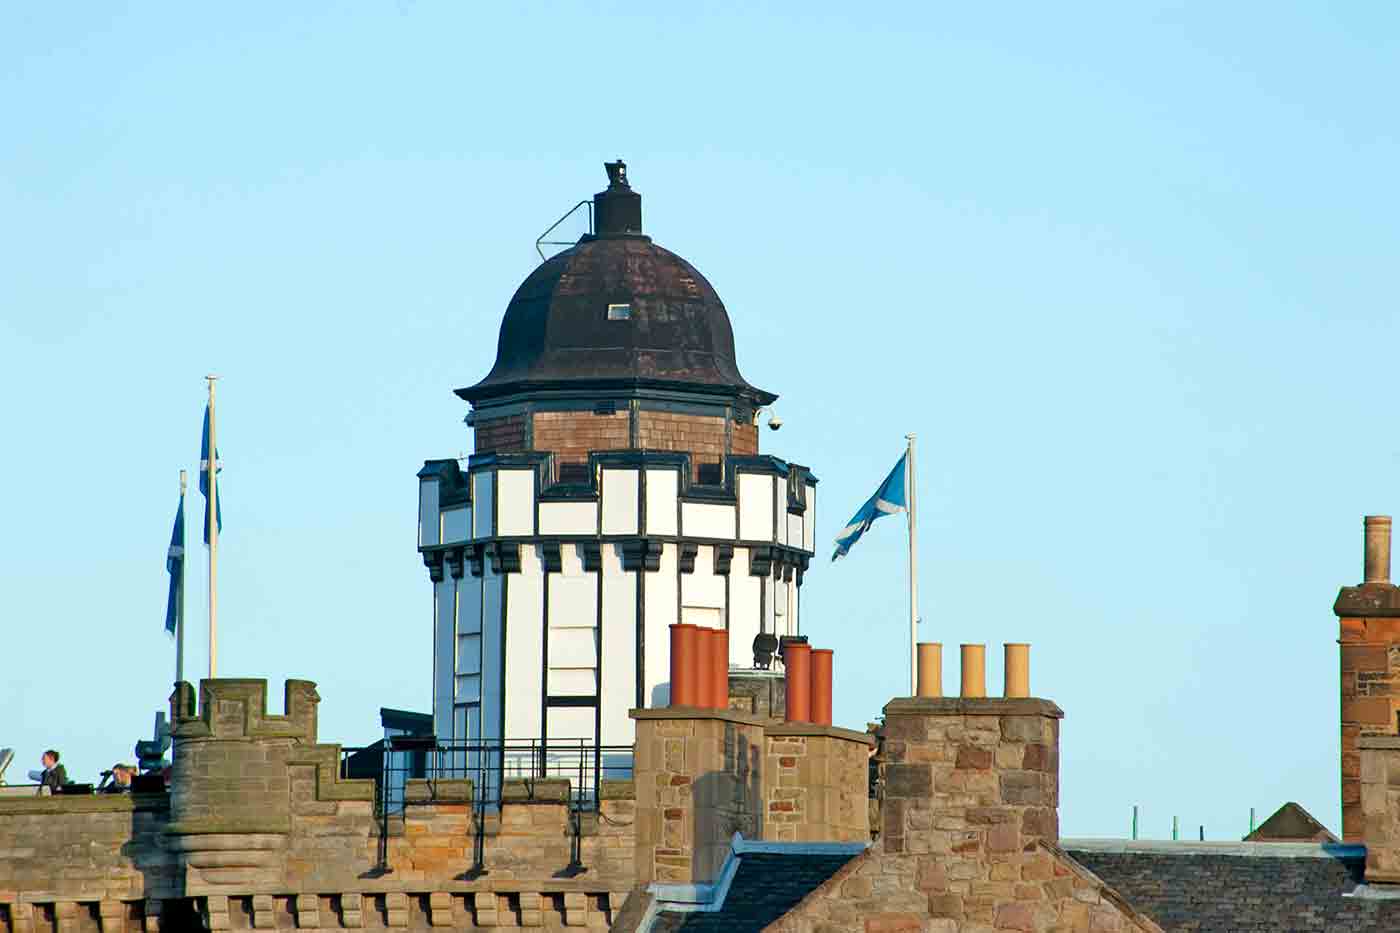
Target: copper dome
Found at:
x=616, y=312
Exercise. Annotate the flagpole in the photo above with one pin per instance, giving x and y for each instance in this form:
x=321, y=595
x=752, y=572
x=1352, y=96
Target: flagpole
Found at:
x=211, y=465
x=913, y=571
x=180, y=590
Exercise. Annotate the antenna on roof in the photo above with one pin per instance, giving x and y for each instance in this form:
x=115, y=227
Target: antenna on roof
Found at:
x=541, y=241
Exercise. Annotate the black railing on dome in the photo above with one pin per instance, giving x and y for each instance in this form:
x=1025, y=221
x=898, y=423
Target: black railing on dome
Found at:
x=488, y=765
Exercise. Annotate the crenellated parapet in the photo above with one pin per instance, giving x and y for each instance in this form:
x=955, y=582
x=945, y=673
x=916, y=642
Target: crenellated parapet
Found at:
x=236, y=708
x=248, y=789
x=259, y=831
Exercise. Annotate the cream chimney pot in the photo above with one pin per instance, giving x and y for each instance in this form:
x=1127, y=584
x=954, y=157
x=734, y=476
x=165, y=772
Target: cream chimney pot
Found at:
x=1018, y=670
x=1377, y=549
x=974, y=670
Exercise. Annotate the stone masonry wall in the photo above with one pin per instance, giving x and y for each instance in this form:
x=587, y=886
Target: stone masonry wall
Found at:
x=703, y=775
x=259, y=831
x=1370, y=655
x=699, y=781
x=91, y=855
x=815, y=784
x=1380, y=807
x=968, y=841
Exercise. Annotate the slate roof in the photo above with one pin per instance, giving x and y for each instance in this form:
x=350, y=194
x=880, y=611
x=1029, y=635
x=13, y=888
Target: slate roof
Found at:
x=1240, y=887
x=768, y=880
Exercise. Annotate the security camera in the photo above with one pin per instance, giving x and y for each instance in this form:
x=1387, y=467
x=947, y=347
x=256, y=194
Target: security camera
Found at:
x=774, y=423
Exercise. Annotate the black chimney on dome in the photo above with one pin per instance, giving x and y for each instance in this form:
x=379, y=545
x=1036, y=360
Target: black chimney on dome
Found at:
x=619, y=209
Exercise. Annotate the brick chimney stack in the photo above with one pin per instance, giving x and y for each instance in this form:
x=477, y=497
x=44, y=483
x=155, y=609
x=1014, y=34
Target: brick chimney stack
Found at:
x=1369, y=620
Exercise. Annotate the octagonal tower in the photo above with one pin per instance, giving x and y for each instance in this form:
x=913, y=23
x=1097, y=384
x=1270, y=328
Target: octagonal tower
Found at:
x=616, y=488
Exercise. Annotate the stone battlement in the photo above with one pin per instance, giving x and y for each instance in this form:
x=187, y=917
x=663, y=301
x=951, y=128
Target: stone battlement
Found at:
x=259, y=830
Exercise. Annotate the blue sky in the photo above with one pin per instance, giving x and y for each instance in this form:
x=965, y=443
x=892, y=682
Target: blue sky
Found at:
x=1127, y=270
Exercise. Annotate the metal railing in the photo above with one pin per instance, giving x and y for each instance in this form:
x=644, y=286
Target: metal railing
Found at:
x=488, y=765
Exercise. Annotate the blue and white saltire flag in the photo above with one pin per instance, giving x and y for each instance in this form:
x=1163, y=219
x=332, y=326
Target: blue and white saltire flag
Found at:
x=175, y=565
x=204, y=480
x=891, y=497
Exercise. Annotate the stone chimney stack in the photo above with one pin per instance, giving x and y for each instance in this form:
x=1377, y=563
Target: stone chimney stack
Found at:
x=971, y=778
x=1369, y=622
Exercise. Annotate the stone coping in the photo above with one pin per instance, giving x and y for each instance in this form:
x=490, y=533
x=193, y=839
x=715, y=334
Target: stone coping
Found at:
x=515, y=790
x=367, y=887
x=806, y=729
x=1378, y=741
x=1335, y=850
x=617, y=789
x=83, y=803
x=439, y=790
x=696, y=712
x=535, y=790
x=973, y=706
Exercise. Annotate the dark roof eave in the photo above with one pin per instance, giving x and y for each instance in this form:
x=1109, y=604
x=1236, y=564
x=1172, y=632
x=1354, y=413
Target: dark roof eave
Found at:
x=488, y=390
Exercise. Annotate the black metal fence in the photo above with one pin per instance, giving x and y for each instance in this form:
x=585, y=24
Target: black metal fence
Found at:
x=488, y=765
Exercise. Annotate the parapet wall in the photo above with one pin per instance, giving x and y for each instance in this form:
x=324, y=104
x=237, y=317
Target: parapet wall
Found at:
x=258, y=830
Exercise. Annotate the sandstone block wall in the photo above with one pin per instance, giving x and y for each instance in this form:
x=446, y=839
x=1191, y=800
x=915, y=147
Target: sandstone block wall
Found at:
x=260, y=832
x=699, y=781
x=815, y=784
x=703, y=775
x=95, y=850
x=1370, y=686
x=1380, y=806
x=969, y=829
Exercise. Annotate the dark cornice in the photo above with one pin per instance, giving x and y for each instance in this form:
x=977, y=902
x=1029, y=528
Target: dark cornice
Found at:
x=638, y=553
x=621, y=388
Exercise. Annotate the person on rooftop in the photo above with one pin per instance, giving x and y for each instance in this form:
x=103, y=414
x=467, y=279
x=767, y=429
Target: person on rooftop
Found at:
x=53, y=776
x=120, y=782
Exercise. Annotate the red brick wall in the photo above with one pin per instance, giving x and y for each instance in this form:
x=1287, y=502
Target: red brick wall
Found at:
x=572, y=435
x=745, y=440
x=702, y=436
x=504, y=435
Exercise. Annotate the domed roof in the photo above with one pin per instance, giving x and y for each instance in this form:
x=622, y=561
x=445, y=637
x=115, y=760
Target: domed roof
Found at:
x=616, y=311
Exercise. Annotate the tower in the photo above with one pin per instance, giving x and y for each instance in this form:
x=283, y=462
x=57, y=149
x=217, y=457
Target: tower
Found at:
x=616, y=489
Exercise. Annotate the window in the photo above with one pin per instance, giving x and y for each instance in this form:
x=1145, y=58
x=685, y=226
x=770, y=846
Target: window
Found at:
x=619, y=312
